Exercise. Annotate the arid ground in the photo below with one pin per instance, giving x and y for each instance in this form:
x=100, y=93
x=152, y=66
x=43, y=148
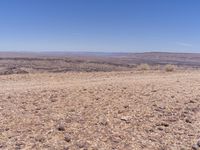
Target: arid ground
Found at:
x=127, y=110
x=23, y=62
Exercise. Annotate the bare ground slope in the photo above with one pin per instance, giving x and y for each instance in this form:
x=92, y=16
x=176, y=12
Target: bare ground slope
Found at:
x=115, y=110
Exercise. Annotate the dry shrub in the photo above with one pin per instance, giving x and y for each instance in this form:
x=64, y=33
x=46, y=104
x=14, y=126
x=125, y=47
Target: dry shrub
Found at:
x=157, y=67
x=143, y=67
x=170, y=68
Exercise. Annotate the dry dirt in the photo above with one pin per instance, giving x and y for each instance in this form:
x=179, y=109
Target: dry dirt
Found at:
x=100, y=111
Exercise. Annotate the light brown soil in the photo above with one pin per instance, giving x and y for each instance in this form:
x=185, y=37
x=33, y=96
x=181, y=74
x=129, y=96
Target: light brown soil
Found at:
x=103, y=111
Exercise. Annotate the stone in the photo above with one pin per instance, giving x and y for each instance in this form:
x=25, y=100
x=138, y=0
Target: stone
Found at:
x=187, y=120
x=160, y=128
x=66, y=148
x=198, y=142
x=53, y=100
x=81, y=144
x=67, y=137
x=61, y=127
x=195, y=147
x=127, y=119
x=39, y=138
x=103, y=121
x=126, y=106
x=164, y=124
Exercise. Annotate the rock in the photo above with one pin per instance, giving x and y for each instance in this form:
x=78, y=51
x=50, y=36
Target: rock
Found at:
x=187, y=120
x=39, y=138
x=61, y=127
x=126, y=106
x=127, y=119
x=160, y=128
x=81, y=144
x=120, y=111
x=191, y=101
x=72, y=110
x=7, y=129
x=198, y=142
x=53, y=100
x=195, y=147
x=66, y=148
x=95, y=148
x=67, y=137
x=2, y=146
x=19, y=145
x=164, y=124
x=97, y=98
x=103, y=120
x=115, y=139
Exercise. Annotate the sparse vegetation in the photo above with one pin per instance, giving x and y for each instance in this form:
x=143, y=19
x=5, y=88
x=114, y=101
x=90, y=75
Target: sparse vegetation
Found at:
x=22, y=64
x=170, y=68
x=156, y=67
x=143, y=67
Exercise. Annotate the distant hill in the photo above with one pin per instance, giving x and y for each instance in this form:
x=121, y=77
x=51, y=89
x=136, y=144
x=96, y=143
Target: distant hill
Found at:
x=121, y=59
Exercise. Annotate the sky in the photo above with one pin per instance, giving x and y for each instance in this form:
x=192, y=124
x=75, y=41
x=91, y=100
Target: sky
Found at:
x=100, y=25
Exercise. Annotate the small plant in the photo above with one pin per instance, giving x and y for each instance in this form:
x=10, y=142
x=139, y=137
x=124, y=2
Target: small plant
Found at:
x=157, y=67
x=143, y=67
x=170, y=68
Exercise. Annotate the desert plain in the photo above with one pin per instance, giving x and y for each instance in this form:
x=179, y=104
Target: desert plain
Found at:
x=122, y=109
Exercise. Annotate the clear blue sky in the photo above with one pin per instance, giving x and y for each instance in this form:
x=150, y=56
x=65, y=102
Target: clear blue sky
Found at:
x=100, y=25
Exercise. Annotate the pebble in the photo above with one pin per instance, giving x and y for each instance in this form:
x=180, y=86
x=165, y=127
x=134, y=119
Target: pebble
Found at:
x=195, y=147
x=126, y=106
x=164, y=124
x=191, y=101
x=160, y=128
x=61, y=127
x=67, y=137
x=116, y=139
x=84, y=89
x=127, y=119
x=188, y=120
x=198, y=142
x=81, y=144
x=66, y=148
x=53, y=100
x=172, y=96
x=39, y=138
x=103, y=121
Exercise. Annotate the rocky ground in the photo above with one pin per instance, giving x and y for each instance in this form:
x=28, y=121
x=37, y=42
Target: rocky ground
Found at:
x=100, y=111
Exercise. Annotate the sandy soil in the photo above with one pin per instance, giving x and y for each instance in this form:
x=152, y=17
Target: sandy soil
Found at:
x=100, y=111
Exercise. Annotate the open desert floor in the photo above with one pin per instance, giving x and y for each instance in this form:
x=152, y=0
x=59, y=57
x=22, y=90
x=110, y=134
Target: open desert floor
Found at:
x=124, y=110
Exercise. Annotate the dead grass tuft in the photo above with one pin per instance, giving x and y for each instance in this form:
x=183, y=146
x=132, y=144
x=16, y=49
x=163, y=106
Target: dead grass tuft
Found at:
x=143, y=67
x=170, y=68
